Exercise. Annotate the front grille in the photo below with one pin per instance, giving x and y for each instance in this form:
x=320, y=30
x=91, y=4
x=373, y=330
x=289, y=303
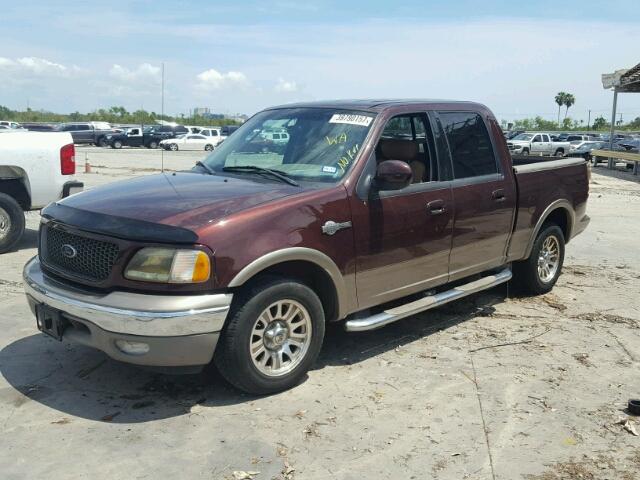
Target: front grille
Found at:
x=77, y=255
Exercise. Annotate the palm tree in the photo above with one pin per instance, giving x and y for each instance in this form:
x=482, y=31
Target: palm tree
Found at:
x=560, y=99
x=569, y=100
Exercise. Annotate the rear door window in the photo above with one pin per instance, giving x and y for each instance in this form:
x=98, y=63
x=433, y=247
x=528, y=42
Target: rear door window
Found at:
x=469, y=143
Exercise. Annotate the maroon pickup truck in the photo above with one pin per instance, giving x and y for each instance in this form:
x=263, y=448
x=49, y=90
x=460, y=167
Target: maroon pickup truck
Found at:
x=363, y=212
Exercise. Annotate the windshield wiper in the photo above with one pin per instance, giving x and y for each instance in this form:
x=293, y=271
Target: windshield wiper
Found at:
x=205, y=167
x=269, y=171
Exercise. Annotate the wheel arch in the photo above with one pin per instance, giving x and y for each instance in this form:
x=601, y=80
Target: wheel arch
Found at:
x=309, y=266
x=559, y=212
x=14, y=182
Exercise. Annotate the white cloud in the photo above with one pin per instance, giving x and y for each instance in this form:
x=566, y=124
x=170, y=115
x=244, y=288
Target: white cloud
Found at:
x=145, y=72
x=286, y=86
x=214, y=80
x=36, y=66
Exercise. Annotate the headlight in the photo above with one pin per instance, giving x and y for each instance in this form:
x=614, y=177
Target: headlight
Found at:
x=169, y=265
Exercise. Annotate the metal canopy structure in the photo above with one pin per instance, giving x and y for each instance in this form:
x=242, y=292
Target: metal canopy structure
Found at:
x=622, y=81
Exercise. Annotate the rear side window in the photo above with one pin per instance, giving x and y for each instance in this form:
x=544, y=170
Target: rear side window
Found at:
x=469, y=143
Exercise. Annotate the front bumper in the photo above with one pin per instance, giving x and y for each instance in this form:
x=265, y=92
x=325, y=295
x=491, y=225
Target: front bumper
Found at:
x=179, y=330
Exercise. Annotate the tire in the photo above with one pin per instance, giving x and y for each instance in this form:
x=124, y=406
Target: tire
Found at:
x=233, y=354
x=525, y=152
x=528, y=278
x=173, y=147
x=117, y=144
x=559, y=153
x=11, y=222
x=102, y=142
x=153, y=144
x=208, y=147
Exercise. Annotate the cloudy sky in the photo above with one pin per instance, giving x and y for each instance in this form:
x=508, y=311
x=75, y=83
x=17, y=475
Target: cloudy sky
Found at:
x=242, y=56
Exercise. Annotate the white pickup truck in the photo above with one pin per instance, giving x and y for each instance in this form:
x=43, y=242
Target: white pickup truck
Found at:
x=537, y=144
x=36, y=169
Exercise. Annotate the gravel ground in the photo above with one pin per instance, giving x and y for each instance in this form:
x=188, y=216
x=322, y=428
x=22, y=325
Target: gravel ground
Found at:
x=492, y=387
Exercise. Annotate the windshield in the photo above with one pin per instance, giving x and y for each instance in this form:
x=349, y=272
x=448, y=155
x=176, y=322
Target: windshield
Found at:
x=523, y=136
x=314, y=144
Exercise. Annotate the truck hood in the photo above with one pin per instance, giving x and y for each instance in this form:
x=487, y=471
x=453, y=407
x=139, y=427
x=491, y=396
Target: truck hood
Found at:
x=518, y=142
x=181, y=199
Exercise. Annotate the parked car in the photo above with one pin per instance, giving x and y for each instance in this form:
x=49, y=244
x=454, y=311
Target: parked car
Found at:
x=576, y=139
x=11, y=125
x=228, y=130
x=188, y=142
x=537, y=144
x=245, y=258
x=214, y=134
x=94, y=133
x=41, y=127
x=35, y=170
x=584, y=149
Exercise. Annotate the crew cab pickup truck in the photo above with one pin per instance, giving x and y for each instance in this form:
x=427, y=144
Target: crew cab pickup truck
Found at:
x=95, y=133
x=149, y=136
x=373, y=211
x=35, y=170
x=537, y=144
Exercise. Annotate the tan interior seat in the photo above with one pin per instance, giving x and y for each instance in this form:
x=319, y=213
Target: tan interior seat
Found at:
x=405, y=150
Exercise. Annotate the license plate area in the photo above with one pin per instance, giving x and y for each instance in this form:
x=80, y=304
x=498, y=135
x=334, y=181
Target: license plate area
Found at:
x=50, y=321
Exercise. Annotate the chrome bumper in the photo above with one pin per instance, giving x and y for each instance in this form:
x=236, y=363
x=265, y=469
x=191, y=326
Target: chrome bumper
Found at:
x=176, y=330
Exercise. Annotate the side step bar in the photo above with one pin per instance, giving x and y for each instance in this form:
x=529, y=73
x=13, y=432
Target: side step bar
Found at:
x=389, y=316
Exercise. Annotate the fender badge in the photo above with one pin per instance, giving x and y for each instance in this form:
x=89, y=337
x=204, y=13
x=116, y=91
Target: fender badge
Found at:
x=331, y=227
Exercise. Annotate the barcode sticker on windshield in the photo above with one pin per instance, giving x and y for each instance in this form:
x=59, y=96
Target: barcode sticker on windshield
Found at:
x=351, y=119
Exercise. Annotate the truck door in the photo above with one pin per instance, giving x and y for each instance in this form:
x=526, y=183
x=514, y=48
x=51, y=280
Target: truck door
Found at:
x=403, y=237
x=134, y=137
x=537, y=146
x=484, y=196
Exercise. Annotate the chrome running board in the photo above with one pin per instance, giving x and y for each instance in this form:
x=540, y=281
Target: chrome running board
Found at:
x=432, y=301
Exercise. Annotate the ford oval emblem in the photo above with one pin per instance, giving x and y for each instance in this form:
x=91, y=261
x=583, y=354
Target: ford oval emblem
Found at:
x=69, y=251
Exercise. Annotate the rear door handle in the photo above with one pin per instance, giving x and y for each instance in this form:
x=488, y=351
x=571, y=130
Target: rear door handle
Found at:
x=436, y=207
x=498, y=195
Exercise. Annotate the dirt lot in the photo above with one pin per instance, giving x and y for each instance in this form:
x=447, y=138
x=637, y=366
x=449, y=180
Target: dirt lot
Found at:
x=494, y=387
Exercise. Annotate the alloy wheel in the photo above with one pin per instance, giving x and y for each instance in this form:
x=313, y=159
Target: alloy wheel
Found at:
x=280, y=338
x=5, y=223
x=549, y=259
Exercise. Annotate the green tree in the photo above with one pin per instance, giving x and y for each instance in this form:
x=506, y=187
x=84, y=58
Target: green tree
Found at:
x=560, y=98
x=569, y=100
x=599, y=123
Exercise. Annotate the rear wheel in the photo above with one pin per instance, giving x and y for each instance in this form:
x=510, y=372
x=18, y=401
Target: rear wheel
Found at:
x=11, y=223
x=208, y=147
x=272, y=336
x=153, y=144
x=559, y=153
x=539, y=273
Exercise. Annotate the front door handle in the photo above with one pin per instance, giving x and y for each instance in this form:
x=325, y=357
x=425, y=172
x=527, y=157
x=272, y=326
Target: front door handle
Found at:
x=436, y=207
x=498, y=195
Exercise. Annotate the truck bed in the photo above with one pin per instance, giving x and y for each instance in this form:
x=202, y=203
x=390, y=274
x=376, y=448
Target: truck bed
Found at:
x=546, y=184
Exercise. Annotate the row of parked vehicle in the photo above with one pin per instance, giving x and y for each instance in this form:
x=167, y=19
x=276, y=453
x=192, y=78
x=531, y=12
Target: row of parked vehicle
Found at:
x=171, y=137
x=568, y=144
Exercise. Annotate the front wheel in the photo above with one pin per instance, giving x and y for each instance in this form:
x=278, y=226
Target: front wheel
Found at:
x=539, y=273
x=525, y=152
x=272, y=337
x=117, y=144
x=173, y=147
x=208, y=147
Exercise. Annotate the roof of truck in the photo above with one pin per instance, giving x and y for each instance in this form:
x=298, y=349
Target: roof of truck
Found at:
x=376, y=105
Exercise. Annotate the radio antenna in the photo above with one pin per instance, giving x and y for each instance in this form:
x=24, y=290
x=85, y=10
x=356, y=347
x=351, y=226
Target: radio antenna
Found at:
x=162, y=116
